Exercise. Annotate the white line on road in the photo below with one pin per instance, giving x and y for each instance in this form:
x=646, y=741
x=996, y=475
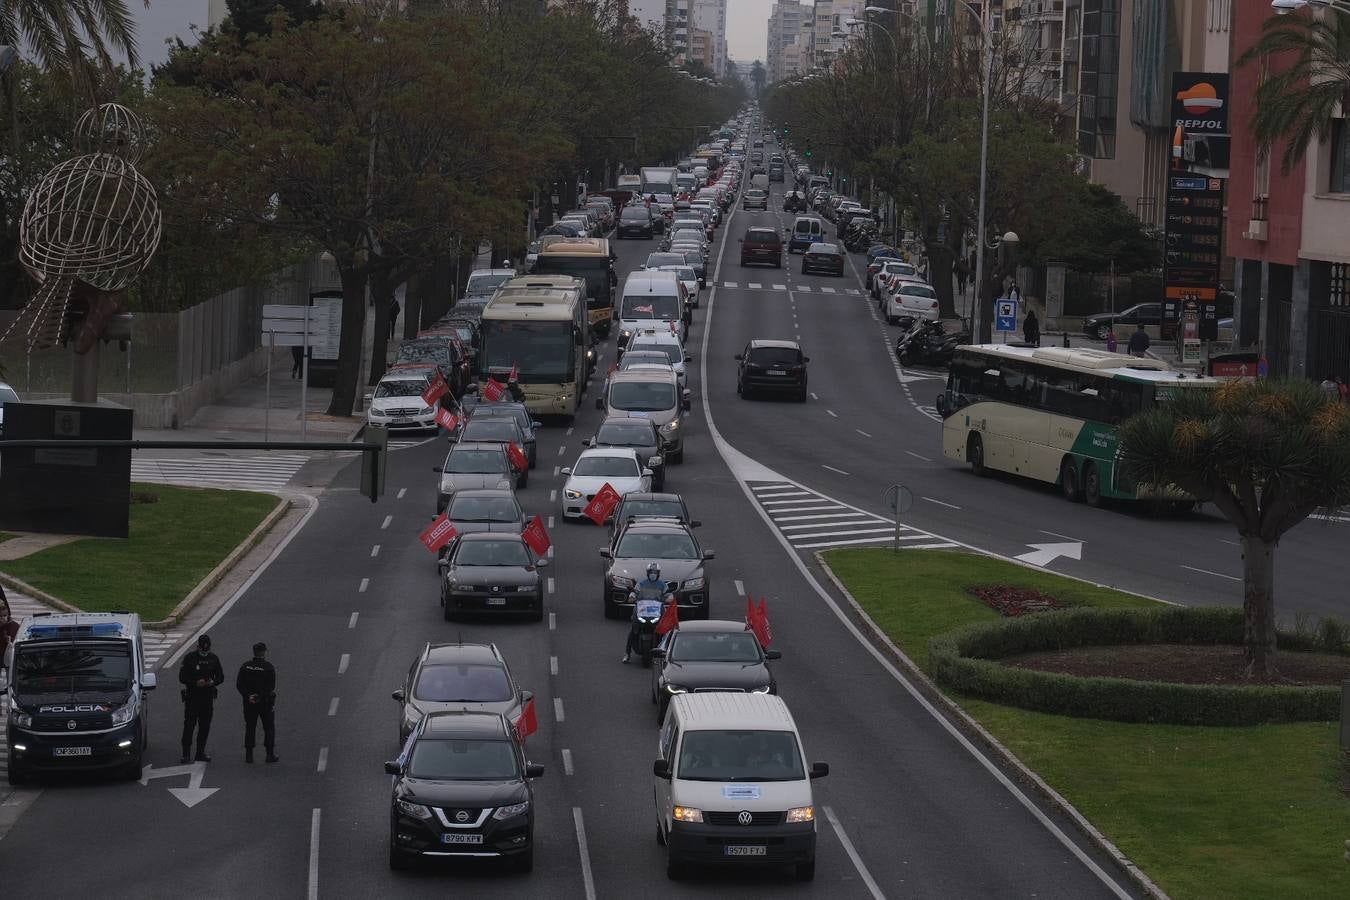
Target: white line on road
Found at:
x=863, y=433
x=375, y=551
x=558, y=710
x=552, y=621
x=562, y=450
x=569, y=431
x=587, y=879
x=401, y=492
x=323, y=759
x=385, y=523
x=567, y=761
x=332, y=707
x=550, y=524
x=344, y=662
x=553, y=496
x=313, y=893
x=858, y=519
x=553, y=665
x=1215, y=574
x=351, y=623
x=556, y=470
x=833, y=469
x=551, y=584
x=740, y=588
x=788, y=509
x=844, y=515
x=365, y=583
x=833, y=414
x=813, y=396
x=1228, y=542
x=767, y=503
x=853, y=854
x=917, y=456
x=942, y=503
x=1058, y=535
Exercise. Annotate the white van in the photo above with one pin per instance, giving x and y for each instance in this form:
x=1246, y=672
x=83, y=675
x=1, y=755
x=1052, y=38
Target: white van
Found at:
x=651, y=299
x=732, y=785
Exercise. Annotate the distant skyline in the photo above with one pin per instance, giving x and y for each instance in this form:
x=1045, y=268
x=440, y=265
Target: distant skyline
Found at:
x=748, y=29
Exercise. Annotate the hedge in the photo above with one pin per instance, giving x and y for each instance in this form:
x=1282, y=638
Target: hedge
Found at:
x=966, y=661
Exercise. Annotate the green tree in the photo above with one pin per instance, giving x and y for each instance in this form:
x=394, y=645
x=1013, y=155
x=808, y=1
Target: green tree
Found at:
x=1267, y=454
x=1307, y=62
x=758, y=77
x=74, y=39
x=1091, y=231
x=256, y=16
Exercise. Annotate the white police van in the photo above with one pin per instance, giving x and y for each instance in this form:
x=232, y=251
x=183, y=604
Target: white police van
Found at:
x=77, y=689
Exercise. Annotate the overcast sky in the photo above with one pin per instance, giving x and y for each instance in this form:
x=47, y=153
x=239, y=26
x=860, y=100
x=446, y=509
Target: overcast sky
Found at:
x=747, y=28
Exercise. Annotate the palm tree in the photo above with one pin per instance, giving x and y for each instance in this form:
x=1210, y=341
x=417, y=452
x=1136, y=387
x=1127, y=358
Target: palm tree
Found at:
x=1268, y=453
x=1296, y=102
x=71, y=38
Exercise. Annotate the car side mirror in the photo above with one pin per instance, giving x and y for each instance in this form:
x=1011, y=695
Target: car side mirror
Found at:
x=600, y=403
x=588, y=442
x=398, y=695
x=655, y=461
x=709, y=554
x=689, y=357
x=820, y=769
x=942, y=406
x=661, y=769
x=686, y=405
x=605, y=553
x=658, y=653
x=565, y=470
x=695, y=523
x=443, y=564
x=526, y=696
x=541, y=563
x=534, y=424
x=806, y=359
x=437, y=469
x=773, y=654
x=647, y=473
x=534, y=770
x=392, y=767
x=740, y=357
x=148, y=681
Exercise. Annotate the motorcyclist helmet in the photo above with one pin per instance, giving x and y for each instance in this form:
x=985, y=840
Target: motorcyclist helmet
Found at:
x=653, y=572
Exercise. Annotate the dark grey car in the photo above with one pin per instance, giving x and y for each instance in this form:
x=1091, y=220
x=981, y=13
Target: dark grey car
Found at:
x=639, y=434
x=716, y=655
x=471, y=465
x=673, y=547
x=492, y=573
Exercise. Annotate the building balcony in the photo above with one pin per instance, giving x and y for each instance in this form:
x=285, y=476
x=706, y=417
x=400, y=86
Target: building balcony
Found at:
x=1043, y=11
x=1048, y=59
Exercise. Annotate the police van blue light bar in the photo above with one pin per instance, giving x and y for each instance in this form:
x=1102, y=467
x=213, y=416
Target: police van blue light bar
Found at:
x=100, y=629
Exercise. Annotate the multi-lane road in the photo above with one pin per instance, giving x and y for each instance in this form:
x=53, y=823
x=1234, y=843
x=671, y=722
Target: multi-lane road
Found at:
x=910, y=808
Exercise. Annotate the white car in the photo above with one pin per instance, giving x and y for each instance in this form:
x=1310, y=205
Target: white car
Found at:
x=7, y=395
x=891, y=268
x=911, y=298
x=397, y=404
x=688, y=277
x=619, y=467
x=665, y=342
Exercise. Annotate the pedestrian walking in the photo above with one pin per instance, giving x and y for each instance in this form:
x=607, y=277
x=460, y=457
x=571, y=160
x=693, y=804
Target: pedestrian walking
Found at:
x=1139, y=342
x=257, y=685
x=394, y=310
x=1111, y=341
x=200, y=674
x=1333, y=393
x=960, y=271
x=9, y=628
x=1031, y=328
x=297, y=361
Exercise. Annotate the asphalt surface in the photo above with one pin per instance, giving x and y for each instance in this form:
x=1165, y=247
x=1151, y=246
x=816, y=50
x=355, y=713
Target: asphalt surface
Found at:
x=908, y=810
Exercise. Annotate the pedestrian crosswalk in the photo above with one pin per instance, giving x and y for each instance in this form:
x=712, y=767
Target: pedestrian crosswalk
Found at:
x=812, y=521
x=796, y=288
x=156, y=645
x=260, y=472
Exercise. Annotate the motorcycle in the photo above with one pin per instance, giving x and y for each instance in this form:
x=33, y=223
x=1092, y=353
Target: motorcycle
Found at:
x=860, y=237
x=648, y=614
x=929, y=343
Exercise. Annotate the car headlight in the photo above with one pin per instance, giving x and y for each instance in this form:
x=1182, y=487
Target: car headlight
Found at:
x=466, y=588
x=676, y=689
x=416, y=810
x=125, y=714
x=621, y=581
x=425, y=410
x=685, y=814
x=526, y=588
x=20, y=719
x=571, y=494
x=693, y=584
x=801, y=814
x=515, y=809
x=670, y=427
x=625, y=334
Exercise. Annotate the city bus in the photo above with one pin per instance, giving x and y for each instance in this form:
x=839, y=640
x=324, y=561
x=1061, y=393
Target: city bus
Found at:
x=538, y=326
x=1051, y=413
x=588, y=258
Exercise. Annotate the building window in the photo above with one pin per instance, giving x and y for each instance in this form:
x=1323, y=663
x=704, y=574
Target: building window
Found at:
x=1339, y=291
x=1100, y=44
x=1340, y=158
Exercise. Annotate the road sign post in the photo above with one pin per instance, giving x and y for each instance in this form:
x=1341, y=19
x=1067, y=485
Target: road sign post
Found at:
x=307, y=327
x=899, y=498
x=1005, y=316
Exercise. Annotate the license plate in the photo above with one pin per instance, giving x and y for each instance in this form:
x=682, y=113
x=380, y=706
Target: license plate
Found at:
x=742, y=850
x=72, y=751
x=777, y=372
x=402, y=422
x=496, y=601
x=464, y=839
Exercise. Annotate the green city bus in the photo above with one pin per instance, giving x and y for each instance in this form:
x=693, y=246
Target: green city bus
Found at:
x=1051, y=413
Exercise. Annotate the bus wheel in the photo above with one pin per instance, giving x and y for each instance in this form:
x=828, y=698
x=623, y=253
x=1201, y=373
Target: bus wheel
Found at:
x=975, y=455
x=1092, y=486
x=1068, y=480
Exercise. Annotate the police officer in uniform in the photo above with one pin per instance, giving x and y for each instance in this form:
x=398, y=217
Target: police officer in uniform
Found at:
x=200, y=674
x=257, y=684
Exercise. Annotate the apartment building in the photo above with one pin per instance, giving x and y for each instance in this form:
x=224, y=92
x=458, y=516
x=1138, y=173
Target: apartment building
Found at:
x=784, y=31
x=711, y=16
x=677, y=25
x=701, y=48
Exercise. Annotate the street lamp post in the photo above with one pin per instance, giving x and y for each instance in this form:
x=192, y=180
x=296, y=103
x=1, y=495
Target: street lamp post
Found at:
x=984, y=167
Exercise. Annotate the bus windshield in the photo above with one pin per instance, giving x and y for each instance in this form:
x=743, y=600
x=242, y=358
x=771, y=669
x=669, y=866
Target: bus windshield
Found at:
x=594, y=269
x=542, y=351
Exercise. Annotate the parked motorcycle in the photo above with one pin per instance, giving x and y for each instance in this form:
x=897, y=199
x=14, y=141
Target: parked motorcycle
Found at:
x=929, y=343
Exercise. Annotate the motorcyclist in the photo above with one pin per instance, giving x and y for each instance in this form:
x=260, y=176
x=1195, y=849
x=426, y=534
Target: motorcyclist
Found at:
x=650, y=588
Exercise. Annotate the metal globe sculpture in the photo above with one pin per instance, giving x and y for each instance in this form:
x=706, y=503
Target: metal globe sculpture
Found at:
x=111, y=128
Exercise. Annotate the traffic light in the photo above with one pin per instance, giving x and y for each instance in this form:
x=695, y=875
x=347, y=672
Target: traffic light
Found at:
x=808, y=153
x=786, y=131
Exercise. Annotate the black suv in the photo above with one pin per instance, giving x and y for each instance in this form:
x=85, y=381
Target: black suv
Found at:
x=773, y=367
x=462, y=788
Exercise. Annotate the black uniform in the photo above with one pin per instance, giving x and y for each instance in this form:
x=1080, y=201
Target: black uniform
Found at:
x=199, y=702
x=257, y=685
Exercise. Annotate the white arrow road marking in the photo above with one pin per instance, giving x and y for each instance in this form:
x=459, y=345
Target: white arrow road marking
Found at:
x=1044, y=554
x=191, y=795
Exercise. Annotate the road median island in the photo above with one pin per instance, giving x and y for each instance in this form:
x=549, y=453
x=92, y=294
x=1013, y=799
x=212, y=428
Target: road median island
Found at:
x=181, y=541
x=1250, y=810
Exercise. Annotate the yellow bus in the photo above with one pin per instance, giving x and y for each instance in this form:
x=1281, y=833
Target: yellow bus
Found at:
x=588, y=258
x=1051, y=413
x=537, y=324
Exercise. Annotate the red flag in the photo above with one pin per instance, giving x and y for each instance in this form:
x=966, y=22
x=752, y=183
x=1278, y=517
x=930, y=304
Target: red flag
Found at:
x=494, y=390
x=670, y=618
x=438, y=533
x=515, y=373
x=760, y=626
x=528, y=723
x=436, y=390
x=602, y=504
x=536, y=535
x=519, y=461
x=446, y=419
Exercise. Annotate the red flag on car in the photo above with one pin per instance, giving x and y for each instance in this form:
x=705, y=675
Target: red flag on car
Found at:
x=528, y=723
x=436, y=390
x=760, y=625
x=602, y=504
x=494, y=390
x=536, y=535
x=446, y=419
x=515, y=373
x=439, y=533
x=519, y=461
x=670, y=618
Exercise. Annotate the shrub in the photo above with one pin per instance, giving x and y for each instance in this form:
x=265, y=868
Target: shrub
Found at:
x=966, y=661
x=1333, y=635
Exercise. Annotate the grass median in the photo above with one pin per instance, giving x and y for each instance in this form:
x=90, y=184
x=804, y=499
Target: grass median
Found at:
x=1257, y=812
x=175, y=542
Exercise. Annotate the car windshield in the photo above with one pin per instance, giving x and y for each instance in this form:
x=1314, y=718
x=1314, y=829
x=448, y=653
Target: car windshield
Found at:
x=491, y=429
x=475, y=462
x=626, y=434
x=642, y=396
x=492, y=553
x=606, y=467
x=761, y=237
x=641, y=358
x=756, y=193
x=775, y=356
x=663, y=259
x=404, y=387
x=635, y=214
x=483, y=509
x=917, y=290
x=517, y=414
x=673, y=353
x=665, y=307
x=7, y=394
x=899, y=269
x=734, y=647
x=669, y=509
x=485, y=282
x=739, y=756
x=806, y=227
x=98, y=669
x=452, y=683
x=819, y=249
x=656, y=545
x=441, y=760
x=417, y=352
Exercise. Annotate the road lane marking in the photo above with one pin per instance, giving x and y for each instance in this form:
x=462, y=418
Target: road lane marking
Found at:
x=833, y=469
x=937, y=545
x=569, y=430
x=787, y=509
x=784, y=494
x=375, y=551
x=558, y=710
x=827, y=290
x=332, y=707
x=917, y=456
x=401, y=492
x=740, y=588
x=550, y=525
x=323, y=759
x=1058, y=535
x=365, y=583
x=884, y=529
x=840, y=515
x=1215, y=574
x=553, y=665
x=553, y=496
x=859, y=520
x=343, y=663
x=351, y=623
x=780, y=287
x=813, y=396
x=808, y=499
x=853, y=854
x=942, y=503
x=556, y=470
x=385, y=523
x=551, y=584
x=833, y=414
x=863, y=433
x=587, y=879
x=562, y=450
x=313, y=893
x=567, y=761
x=1228, y=542
x=552, y=621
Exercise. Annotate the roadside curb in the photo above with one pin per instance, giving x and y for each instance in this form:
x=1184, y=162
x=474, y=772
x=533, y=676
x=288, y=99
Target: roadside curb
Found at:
x=1006, y=756
x=228, y=563
x=24, y=587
